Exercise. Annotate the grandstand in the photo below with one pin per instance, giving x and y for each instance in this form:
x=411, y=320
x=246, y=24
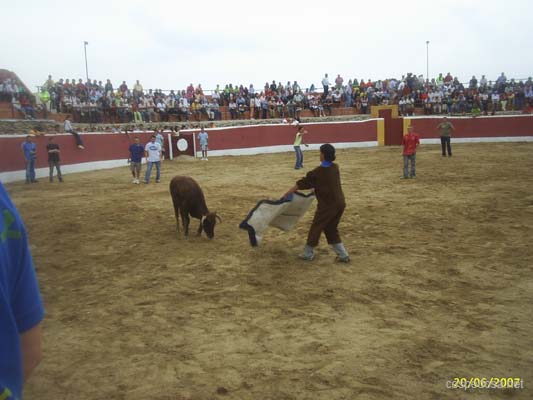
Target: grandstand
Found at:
x=100, y=106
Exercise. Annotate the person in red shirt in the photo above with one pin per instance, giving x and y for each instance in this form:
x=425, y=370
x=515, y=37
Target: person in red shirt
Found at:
x=410, y=143
x=528, y=109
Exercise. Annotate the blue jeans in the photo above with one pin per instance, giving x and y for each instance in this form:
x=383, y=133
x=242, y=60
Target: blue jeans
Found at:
x=149, y=171
x=30, y=170
x=77, y=137
x=348, y=101
x=406, y=159
x=299, y=158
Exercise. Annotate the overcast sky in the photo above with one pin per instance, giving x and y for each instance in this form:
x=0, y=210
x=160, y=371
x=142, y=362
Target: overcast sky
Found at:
x=169, y=44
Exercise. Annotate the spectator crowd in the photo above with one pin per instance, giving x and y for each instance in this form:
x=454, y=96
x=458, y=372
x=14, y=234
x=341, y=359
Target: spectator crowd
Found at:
x=11, y=91
x=95, y=102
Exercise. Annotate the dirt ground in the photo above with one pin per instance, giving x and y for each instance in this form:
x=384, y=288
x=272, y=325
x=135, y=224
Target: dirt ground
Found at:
x=440, y=284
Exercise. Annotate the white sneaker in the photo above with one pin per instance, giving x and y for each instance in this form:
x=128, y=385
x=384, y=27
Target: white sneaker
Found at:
x=137, y=181
x=206, y=159
x=306, y=257
x=134, y=180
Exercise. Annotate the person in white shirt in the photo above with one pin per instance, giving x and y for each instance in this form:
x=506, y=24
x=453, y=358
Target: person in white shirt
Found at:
x=153, y=153
x=483, y=82
x=203, y=138
x=401, y=86
x=325, y=85
x=160, y=139
x=137, y=89
x=409, y=106
x=184, y=108
x=484, y=99
x=232, y=106
x=67, y=127
x=401, y=105
x=215, y=96
x=161, y=109
x=257, y=103
x=495, y=101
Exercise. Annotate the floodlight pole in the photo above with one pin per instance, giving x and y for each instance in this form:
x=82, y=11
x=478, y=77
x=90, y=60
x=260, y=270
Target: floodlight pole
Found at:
x=86, y=67
x=85, y=43
x=427, y=60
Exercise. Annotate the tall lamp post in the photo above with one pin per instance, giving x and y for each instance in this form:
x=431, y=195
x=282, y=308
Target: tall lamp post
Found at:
x=85, y=43
x=86, y=68
x=427, y=60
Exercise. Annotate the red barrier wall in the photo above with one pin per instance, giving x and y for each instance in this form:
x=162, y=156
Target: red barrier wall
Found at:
x=476, y=127
x=98, y=147
x=105, y=147
x=108, y=146
x=277, y=135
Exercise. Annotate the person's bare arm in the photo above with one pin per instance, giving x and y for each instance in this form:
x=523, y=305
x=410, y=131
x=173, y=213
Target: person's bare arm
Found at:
x=31, y=345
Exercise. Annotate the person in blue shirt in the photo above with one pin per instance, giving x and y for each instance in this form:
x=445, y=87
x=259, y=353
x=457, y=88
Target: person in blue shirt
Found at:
x=21, y=308
x=203, y=137
x=135, y=160
x=30, y=155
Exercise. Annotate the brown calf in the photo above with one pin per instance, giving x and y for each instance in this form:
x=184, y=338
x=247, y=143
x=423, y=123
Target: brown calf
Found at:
x=189, y=199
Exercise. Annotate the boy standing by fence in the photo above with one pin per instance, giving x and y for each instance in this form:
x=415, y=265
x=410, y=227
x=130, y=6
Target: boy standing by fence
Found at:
x=410, y=143
x=445, y=136
x=203, y=137
x=30, y=154
x=136, y=156
x=153, y=157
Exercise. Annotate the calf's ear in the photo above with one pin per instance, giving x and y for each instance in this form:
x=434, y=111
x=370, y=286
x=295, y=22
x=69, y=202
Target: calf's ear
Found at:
x=217, y=217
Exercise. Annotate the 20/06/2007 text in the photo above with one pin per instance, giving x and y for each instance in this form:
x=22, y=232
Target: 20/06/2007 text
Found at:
x=485, y=383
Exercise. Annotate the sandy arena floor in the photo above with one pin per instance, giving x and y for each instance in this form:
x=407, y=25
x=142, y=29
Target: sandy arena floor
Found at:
x=440, y=284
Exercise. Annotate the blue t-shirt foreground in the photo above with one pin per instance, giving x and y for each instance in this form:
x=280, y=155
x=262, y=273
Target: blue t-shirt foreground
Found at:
x=21, y=307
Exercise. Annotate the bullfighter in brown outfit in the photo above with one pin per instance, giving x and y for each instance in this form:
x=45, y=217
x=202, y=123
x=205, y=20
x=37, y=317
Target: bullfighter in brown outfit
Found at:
x=326, y=182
